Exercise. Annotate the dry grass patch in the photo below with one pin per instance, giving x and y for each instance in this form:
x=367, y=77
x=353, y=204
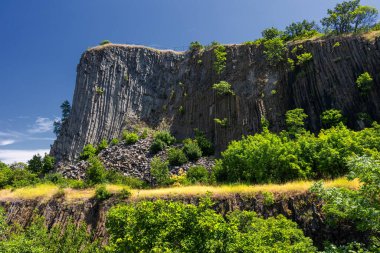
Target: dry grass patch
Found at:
x=42, y=191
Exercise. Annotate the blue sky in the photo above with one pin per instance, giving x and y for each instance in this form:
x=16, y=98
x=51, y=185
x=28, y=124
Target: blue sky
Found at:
x=42, y=41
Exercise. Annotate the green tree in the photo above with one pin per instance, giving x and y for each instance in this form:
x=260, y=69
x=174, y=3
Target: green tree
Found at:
x=223, y=88
x=364, y=82
x=206, y=145
x=159, y=170
x=195, y=46
x=301, y=30
x=295, y=121
x=271, y=33
x=331, y=118
x=47, y=163
x=176, y=157
x=275, y=51
x=220, y=58
x=95, y=173
x=197, y=174
x=88, y=151
x=66, y=110
x=35, y=164
x=349, y=16
x=192, y=150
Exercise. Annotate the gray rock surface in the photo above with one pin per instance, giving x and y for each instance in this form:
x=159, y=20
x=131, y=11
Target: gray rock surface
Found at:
x=144, y=86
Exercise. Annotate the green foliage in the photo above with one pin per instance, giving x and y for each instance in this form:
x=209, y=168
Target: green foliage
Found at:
x=275, y=51
x=205, y=145
x=195, y=46
x=130, y=137
x=192, y=150
x=159, y=170
x=39, y=165
x=176, y=157
x=104, y=42
x=268, y=198
x=95, y=173
x=223, y=88
x=295, y=121
x=336, y=44
x=161, y=226
x=101, y=193
x=102, y=145
x=349, y=16
x=37, y=238
x=271, y=33
x=364, y=82
x=361, y=207
x=220, y=58
x=273, y=92
x=304, y=58
x=144, y=134
x=66, y=109
x=161, y=140
x=16, y=177
x=197, y=174
x=332, y=118
x=116, y=177
x=269, y=157
x=88, y=151
x=221, y=122
x=181, y=110
x=300, y=30
x=115, y=141
x=291, y=64
x=124, y=193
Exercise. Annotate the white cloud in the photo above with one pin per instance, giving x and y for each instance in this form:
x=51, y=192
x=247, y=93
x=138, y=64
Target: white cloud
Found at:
x=42, y=125
x=6, y=142
x=13, y=155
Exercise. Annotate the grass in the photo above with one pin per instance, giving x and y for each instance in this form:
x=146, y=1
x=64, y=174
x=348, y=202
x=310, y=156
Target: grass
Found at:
x=45, y=192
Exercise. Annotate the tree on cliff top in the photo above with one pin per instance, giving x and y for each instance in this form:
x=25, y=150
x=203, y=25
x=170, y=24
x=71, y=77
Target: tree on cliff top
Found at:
x=349, y=16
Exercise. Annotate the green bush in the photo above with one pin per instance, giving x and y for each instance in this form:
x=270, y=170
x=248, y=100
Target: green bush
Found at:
x=275, y=51
x=304, y=58
x=157, y=146
x=101, y=193
x=159, y=170
x=130, y=137
x=221, y=122
x=205, y=145
x=197, y=174
x=195, y=46
x=176, y=157
x=166, y=137
x=268, y=198
x=102, y=145
x=41, y=166
x=332, y=118
x=220, y=58
x=116, y=177
x=295, y=121
x=104, y=42
x=364, y=82
x=192, y=150
x=88, y=151
x=144, y=134
x=161, y=226
x=16, y=177
x=223, y=88
x=271, y=33
x=95, y=173
x=125, y=193
x=301, y=30
x=114, y=141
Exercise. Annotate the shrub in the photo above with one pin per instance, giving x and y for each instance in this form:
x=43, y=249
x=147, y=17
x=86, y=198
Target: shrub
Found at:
x=116, y=177
x=331, y=118
x=221, y=122
x=102, y=145
x=271, y=33
x=176, y=157
x=220, y=58
x=104, y=42
x=364, y=82
x=114, y=141
x=35, y=164
x=197, y=174
x=101, y=193
x=125, y=193
x=268, y=198
x=16, y=177
x=223, y=88
x=95, y=173
x=195, y=46
x=300, y=30
x=159, y=226
x=275, y=51
x=295, y=121
x=192, y=150
x=304, y=58
x=88, y=151
x=144, y=134
x=99, y=90
x=204, y=144
x=130, y=137
x=166, y=137
x=159, y=170
x=157, y=146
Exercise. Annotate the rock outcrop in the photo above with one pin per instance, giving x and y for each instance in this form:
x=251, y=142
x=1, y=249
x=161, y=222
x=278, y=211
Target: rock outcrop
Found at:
x=119, y=86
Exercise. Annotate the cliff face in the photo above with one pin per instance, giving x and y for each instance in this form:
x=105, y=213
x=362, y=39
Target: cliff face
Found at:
x=302, y=208
x=120, y=86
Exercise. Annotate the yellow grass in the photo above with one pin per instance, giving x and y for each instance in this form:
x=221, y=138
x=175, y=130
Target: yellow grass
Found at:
x=47, y=191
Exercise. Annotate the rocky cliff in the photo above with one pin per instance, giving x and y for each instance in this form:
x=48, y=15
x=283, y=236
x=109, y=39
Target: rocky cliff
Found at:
x=302, y=208
x=119, y=86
